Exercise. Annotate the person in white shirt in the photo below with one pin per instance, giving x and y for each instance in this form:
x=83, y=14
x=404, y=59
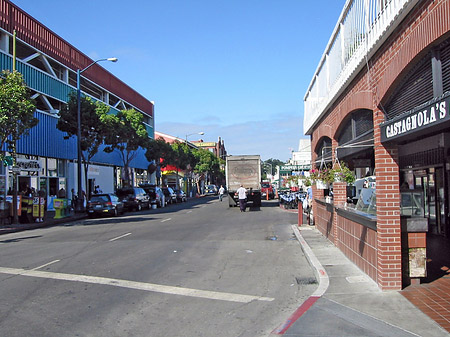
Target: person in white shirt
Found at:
x=221, y=192
x=242, y=194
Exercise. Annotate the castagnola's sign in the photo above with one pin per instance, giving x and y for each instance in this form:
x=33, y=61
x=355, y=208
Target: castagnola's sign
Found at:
x=418, y=119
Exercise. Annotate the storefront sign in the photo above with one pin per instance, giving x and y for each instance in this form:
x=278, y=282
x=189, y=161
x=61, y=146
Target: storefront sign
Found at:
x=304, y=167
x=28, y=164
x=434, y=114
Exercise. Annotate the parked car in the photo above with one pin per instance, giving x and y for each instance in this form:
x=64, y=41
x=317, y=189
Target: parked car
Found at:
x=181, y=196
x=211, y=189
x=155, y=193
x=170, y=195
x=107, y=203
x=134, y=198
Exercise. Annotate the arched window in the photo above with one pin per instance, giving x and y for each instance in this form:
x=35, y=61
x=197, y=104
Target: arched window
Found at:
x=323, y=151
x=355, y=139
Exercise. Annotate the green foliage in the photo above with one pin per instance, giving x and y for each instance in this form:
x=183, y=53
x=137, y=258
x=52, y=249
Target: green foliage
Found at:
x=274, y=162
x=160, y=151
x=342, y=173
x=328, y=175
x=92, y=128
x=16, y=109
x=125, y=133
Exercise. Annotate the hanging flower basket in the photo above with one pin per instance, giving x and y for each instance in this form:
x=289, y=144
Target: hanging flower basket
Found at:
x=321, y=185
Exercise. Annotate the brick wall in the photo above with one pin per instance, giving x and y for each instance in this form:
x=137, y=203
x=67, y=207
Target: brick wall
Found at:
x=426, y=25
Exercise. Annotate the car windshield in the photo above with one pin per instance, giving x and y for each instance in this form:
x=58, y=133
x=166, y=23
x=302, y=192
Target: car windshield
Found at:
x=99, y=198
x=265, y=185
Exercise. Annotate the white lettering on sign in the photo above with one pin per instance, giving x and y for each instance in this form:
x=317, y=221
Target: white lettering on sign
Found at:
x=419, y=119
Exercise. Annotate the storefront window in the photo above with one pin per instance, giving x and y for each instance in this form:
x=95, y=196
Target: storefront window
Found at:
x=52, y=167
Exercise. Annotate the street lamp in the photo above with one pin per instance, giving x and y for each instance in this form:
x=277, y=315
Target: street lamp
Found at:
x=80, y=202
x=195, y=133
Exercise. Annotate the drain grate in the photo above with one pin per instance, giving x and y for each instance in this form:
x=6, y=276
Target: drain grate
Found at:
x=305, y=280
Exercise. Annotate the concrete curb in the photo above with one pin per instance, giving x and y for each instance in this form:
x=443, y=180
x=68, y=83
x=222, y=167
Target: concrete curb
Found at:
x=321, y=277
x=321, y=274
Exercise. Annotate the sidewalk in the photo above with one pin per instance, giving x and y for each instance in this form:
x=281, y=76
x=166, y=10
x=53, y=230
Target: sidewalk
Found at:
x=347, y=302
x=49, y=220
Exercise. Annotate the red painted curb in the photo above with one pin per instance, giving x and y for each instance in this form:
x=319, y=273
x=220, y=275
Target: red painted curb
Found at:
x=295, y=316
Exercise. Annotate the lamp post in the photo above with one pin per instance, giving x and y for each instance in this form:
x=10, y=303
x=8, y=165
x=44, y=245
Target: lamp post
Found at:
x=80, y=202
x=195, y=133
x=271, y=168
x=189, y=178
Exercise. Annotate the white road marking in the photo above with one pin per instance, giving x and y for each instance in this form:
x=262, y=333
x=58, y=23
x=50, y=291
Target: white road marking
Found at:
x=119, y=237
x=45, y=265
x=166, y=219
x=213, y=295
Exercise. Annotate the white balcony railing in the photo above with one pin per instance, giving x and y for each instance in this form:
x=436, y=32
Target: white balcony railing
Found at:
x=361, y=29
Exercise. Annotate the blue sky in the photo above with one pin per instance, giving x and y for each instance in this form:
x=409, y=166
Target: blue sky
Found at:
x=235, y=69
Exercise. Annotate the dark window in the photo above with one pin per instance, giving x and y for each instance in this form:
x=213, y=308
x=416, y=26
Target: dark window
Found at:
x=415, y=89
x=445, y=59
x=324, y=150
x=359, y=123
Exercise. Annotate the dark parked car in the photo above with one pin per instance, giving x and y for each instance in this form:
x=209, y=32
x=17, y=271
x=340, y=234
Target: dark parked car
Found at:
x=107, y=203
x=134, y=198
x=170, y=196
x=155, y=193
x=181, y=196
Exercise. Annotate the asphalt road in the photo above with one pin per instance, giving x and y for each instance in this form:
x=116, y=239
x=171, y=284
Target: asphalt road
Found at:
x=194, y=269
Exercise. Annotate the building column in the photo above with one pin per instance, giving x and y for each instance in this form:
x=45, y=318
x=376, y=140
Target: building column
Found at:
x=389, y=252
x=339, y=200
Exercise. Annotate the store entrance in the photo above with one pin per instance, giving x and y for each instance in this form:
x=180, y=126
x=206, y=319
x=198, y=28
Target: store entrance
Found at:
x=438, y=242
x=432, y=182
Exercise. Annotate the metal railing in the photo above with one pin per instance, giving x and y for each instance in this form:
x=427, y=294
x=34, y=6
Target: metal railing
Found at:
x=362, y=28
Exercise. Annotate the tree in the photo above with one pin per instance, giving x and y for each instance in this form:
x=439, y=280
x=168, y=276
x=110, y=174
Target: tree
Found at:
x=207, y=163
x=272, y=163
x=160, y=151
x=183, y=157
x=16, y=117
x=125, y=133
x=92, y=128
x=16, y=110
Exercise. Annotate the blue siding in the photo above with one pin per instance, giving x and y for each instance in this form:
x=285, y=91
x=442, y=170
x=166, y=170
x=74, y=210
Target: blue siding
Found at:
x=45, y=139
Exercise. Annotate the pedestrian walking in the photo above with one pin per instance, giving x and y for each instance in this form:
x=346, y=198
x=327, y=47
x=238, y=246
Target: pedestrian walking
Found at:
x=242, y=194
x=221, y=192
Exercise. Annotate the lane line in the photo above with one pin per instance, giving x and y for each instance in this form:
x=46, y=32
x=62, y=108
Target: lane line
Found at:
x=45, y=265
x=212, y=295
x=119, y=237
x=166, y=219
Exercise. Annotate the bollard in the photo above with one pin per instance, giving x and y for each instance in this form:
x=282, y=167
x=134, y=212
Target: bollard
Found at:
x=300, y=213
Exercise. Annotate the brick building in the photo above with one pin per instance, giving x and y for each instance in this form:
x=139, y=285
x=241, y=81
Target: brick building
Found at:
x=380, y=102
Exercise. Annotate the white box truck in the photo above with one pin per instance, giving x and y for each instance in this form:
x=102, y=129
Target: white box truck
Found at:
x=245, y=170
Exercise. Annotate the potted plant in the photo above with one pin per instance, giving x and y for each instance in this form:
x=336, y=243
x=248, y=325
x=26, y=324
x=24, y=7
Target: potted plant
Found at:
x=341, y=173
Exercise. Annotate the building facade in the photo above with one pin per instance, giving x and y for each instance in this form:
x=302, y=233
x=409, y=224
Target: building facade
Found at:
x=380, y=102
x=49, y=66
x=217, y=148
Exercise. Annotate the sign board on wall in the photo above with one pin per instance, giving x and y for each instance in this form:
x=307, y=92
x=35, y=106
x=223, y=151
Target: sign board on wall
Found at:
x=433, y=114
